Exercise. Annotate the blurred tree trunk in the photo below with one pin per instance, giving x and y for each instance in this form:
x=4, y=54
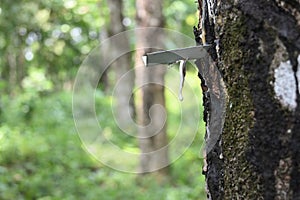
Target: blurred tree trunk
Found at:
x=104, y=80
x=12, y=63
x=15, y=63
x=122, y=65
x=149, y=14
x=258, y=154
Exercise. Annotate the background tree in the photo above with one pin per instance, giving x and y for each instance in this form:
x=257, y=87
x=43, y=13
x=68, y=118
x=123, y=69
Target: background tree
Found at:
x=258, y=156
x=149, y=14
x=124, y=109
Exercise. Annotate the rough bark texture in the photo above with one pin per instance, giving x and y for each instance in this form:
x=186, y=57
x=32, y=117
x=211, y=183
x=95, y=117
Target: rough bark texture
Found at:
x=258, y=57
x=153, y=147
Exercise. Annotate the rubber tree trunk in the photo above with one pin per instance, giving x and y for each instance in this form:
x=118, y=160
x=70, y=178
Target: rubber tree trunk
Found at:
x=152, y=134
x=256, y=47
x=124, y=108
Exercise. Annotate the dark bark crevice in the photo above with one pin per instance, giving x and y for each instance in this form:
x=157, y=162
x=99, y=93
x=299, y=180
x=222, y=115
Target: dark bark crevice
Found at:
x=205, y=33
x=295, y=144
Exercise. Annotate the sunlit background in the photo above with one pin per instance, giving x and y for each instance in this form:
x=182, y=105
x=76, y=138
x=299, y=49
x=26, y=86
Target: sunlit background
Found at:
x=42, y=44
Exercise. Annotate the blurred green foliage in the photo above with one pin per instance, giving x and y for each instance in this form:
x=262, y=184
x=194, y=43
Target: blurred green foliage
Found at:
x=42, y=44
x=41, y=157
x=52, y=35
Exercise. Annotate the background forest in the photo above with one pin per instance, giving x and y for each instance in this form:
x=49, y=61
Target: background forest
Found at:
x=42, y=44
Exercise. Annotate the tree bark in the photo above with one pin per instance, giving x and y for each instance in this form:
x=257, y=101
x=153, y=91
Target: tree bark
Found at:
x=124, y=108
x=153, y=146
x=257, y=49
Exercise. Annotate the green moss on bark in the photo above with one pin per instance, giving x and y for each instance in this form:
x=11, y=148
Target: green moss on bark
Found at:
x=239, y=177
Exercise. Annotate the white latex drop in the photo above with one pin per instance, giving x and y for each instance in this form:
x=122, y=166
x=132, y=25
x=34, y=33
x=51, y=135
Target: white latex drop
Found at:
x=181, y=67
